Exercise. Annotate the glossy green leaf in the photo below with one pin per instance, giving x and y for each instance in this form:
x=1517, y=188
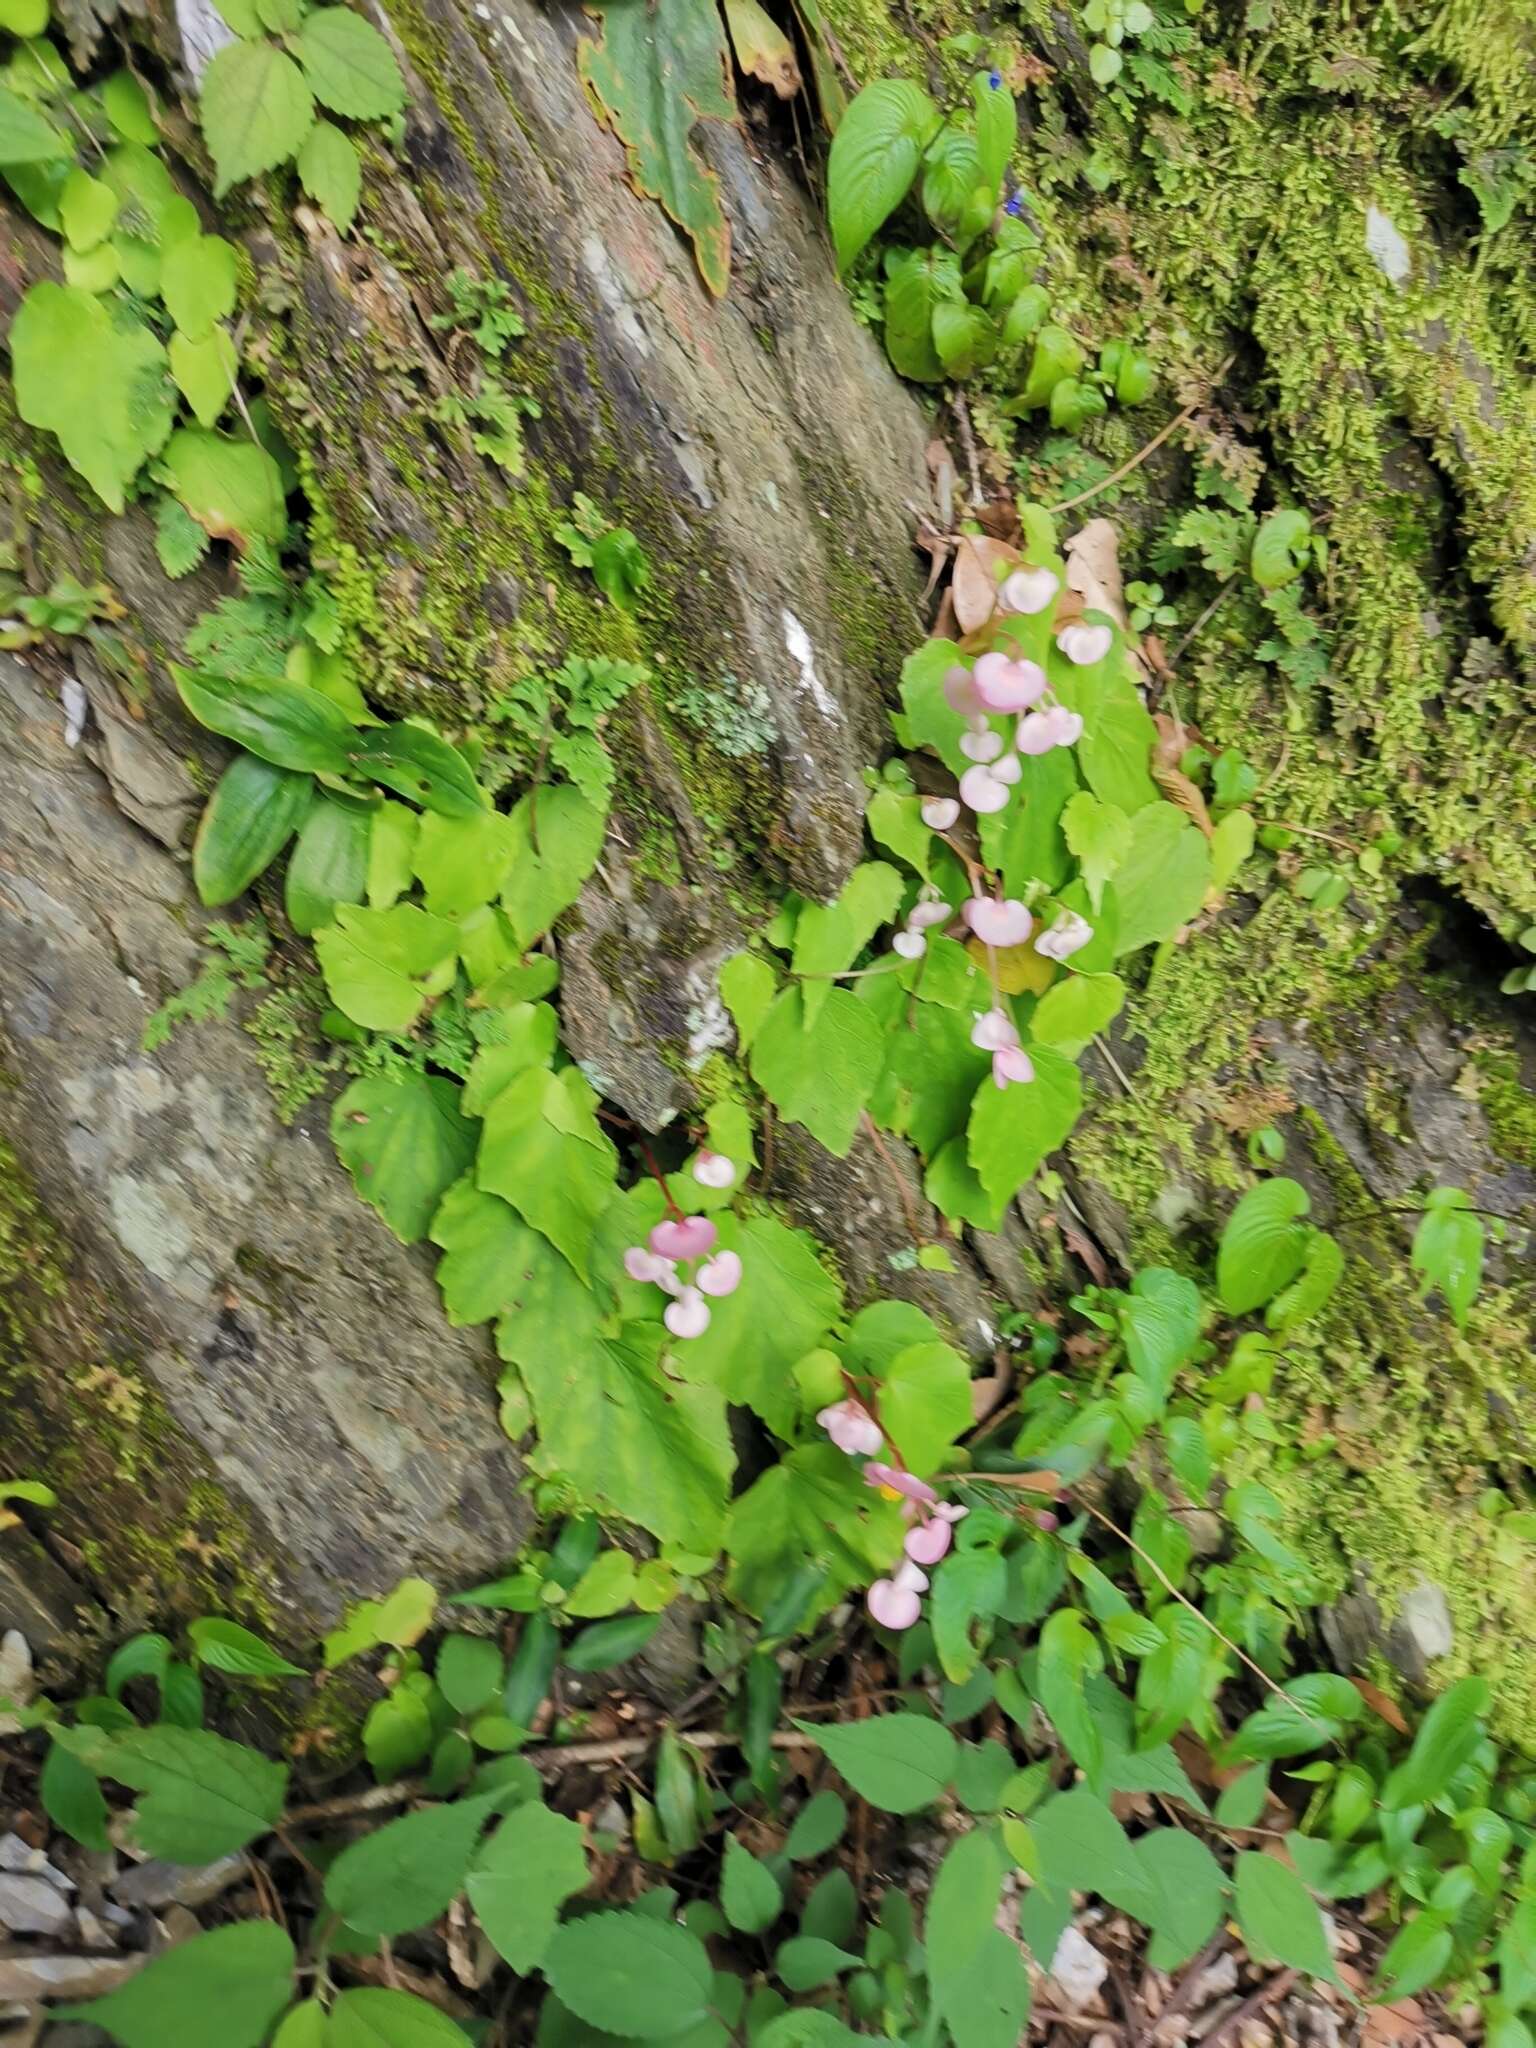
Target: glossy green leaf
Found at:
x=254, y=811
x=350, y=67
x=749, y=1891
x=198, y=281
x=874, y=159
x=1264, y=1244
x=630, y=1973
x=1082, y=1847
x=223, y=1989
x=329, y=865
x=223, y=1645
x=1013, y=1130
x=1448, y=1250
x=101, y=386
x=331, y=174
x=420, y=765
x=376, y=2017
x=255, y=110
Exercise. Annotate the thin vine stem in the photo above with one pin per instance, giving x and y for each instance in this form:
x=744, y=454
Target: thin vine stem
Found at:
x=1179, y=420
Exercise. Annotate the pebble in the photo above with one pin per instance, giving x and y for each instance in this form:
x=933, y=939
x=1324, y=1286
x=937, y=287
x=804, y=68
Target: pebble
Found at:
x=29, y=1978
x=1077, y=1968
x=177, y=1884
x=15, y=1854
x=31, y=1905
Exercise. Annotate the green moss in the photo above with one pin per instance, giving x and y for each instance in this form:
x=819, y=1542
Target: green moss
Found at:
x=158, y=1537
x=1508, y=1104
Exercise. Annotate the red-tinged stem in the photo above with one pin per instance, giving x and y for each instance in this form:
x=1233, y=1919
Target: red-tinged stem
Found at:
x=661, y=1182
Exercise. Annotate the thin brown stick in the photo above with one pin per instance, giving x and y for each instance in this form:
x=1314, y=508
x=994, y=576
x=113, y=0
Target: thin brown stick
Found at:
x=1266, y=1995
x=1156, y=442
x=1086, y=2022
x=1189, y=1983
x=1168, y=1586
x=962, y=414
x=909, y=1207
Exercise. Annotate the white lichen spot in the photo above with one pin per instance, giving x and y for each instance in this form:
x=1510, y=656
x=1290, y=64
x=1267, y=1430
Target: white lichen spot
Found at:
x=1386, y=245
x=988, y=1334
x=77, y=708
x=204, y=32
x=803, y=655
x=708, y=1022
x=616, y=301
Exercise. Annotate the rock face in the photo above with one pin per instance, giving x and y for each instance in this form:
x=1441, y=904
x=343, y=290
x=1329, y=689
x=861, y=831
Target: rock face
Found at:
x=228, y=1272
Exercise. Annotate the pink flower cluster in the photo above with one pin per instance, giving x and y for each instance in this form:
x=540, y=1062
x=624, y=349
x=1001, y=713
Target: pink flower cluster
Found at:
x=929, y=909
x=676, y=1245
x=894, y=1601
x=995, y=1032
x=1002, y=685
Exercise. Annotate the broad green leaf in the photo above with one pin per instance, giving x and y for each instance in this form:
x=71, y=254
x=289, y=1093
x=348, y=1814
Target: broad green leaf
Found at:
x=1241, y=1802
x=1443, y=1745
x=1099, y=834
x=970, y=1585
x=487, y=1248
x=331, y=174
x=549, y=1311
x=805, y=1963
x=604, y=1587
x=1163, y=880
x=526, y=1036
x=375, y=2017
x=896, y=822
x=405, y=1144
x=630, y=1974
x=87, y=207
x=328, y=866
x=405, y=1873
x=397, y=1733
x=1516, y=1955
x=232, y=488
x=898, y=1762
x=1188, y=1891
x=1231, y=844
x=255, y=110
x=633, y=1441
x=917, y=283
x=1415, y=1958
x=461, y=862
x=126, y=105
x=1160, y=1322
x=223, y=1645
x=204, y=374
x=874, y=158
x=1068, y=1656
x=1264, y=1244
x=813, y=1505
x=1115, y=750
x=391, y=851
x=611, y=1642
x=829, y=937
x=101, y=387
x=421, y=765
x=1313, y=1287
x=254, y=811
x=657, y=72
x=72, y=1798
x=979, y=1979
x=1076, y=1009
x=203, y=1797
x=521, y=1878
x=283, y=723
x=381, y=965
x=786, y=1300
x=1279, y=548
x=25, y=137
x=747, y=986
x=1448, y=1251
x=816, y=1828
x=1325, y=1704
x=350, y=67
x=469, y=1672
x=997, y=130
x=823, y=1075
x=1278, y=1916
x=925, y=1404
x=1082, y=1847
x=1026, y=840
x=544, y=1151
x=964, y=336
x=223, y=1989
x=749, y=1892
x=557, y=837
x=1013, y=1129
x=199, y=278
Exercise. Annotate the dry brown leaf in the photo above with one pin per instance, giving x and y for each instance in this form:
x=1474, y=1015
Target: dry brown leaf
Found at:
x=762, y=49
x=980, y=565
x=989, y=1394
x=943, y=481
x=1093, y=570
x=1381, y=1703
x=1083, y=1246
x=1387, y=2025
x=1178, y=789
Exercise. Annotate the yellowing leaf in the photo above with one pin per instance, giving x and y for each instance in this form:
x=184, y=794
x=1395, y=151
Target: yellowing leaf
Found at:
x=657, y=72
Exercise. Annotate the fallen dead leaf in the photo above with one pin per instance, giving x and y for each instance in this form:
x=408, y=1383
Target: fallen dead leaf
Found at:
x=1389, y=2024
x=943, y=480
x=989, y=1394
x=980, y=565
x=1093, y=570
x=1381, y=1703
x=762, y=49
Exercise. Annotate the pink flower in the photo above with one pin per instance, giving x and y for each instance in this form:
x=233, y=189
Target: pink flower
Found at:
x=910, y=945
x=929, y=1541
x=981, y=791
x=852, y=1428
x=683, y=1237
x=1067, y=935
x=928, y=911
x=939, y=812
x=960, y=692
x=894, y=1602
x=985, y=745
x=1004, y=685
x=1029, y=590
x=714, y=1170
x=688, y=1316
x=1083, y=644
x=1065, y=727
x=900, y=1482
x=1044, y=1519
x=994, y=1030
x=1008, y=769
x=1005, y=923
x=647, y=1267
x=720, y=1275
x=1011, y=1063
